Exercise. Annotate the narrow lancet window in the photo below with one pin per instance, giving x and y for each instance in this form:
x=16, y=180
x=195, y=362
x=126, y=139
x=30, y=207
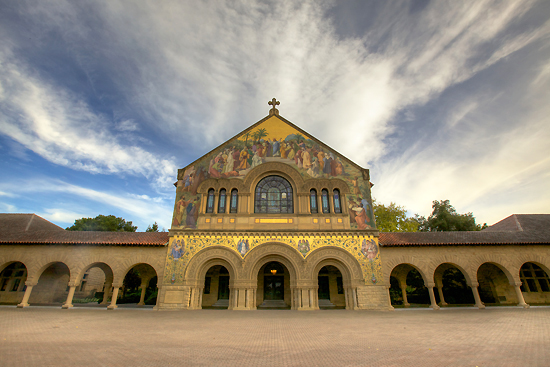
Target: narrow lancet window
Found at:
x=210, y=201
x=337, y=203
x=221, y=202
x=313, y=201
x=234, y=201
x=324, y=201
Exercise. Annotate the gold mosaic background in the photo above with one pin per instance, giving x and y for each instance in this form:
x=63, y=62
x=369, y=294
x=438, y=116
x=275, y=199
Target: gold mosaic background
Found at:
x=177, y=260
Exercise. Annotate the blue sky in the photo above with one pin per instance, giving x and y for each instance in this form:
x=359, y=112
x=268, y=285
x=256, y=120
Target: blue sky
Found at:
x=102, y=101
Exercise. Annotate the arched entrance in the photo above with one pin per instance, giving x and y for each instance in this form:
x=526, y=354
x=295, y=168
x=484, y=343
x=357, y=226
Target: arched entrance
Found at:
x=12, y=283
x=139, y=286
x=535, y=284
x=494, y=286
x=53, y=285
x=453, y=288
x=331, y=293
x=407, y=287
x=216, y=288
x=273, y=286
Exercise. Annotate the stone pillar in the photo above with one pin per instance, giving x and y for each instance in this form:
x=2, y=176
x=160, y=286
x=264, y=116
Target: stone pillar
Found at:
x=521, y=300
x=441, y=298
x=114, y=297
x=305, y=299
x=347, y=298
x=433, y=305
x=142, y=297
x=69, y=301
x=390, y=307
x=479, y=304
x=25, y=302
x=354, y=295
x=106, y=293
x=403, y=287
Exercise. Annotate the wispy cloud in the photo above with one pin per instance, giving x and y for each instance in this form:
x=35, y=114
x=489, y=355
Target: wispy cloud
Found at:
x=71, y=202
x=63, y=129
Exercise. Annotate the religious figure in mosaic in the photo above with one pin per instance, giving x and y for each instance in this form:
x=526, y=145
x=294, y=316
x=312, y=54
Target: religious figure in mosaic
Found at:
x=243, y=247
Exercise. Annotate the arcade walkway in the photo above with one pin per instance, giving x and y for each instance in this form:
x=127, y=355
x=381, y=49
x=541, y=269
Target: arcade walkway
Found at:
x=500, y=336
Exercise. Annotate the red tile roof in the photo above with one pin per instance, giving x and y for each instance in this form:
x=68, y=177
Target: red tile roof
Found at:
x=515, y=229
x=32, y=229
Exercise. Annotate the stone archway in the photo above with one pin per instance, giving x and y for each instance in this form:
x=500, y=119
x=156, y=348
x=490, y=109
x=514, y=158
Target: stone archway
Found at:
x=94, y=280
x=287, y=256
x=273, y=286
x=452, y=282
x=496, y=285
x=412, y=286
x=198, y=268
x=342, y=288
x=134, y=281
x=52, y=285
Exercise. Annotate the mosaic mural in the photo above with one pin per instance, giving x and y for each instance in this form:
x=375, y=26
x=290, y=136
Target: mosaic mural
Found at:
x=182, y=248
x=272, y=141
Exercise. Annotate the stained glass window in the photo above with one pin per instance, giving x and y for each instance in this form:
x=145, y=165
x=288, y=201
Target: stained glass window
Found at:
x=210, y=201
x=313, y=201
x=273, y=196
x=336, y=197
x=234, y=201
x=221, y=202
x=324, y=201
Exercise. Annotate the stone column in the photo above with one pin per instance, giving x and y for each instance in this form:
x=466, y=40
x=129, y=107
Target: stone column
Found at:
x=390, y=307
x=442, y=299
x=354, y=295
x=143, y=287
x=305, y=299
x=433, y=305
x=68, y=302
x=106, y=292
x=25, y=302
x=521, y=300
x=114, y=297
x=403, y=287
x=479, y=304
x=347, y=298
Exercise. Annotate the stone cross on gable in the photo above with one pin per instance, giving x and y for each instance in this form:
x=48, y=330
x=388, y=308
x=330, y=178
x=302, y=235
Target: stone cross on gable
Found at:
x=274, y=103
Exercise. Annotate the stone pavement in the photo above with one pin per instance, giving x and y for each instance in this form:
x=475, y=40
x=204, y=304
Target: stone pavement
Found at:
x=500, y=336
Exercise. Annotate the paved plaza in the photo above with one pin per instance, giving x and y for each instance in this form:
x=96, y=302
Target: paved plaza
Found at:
x=500, y=336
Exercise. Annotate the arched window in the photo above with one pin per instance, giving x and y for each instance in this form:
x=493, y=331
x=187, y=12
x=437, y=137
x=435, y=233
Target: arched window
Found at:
x=324, y=201
x=210, y=201
x=273, y=196
x=313, y=201
x=234, y=201
x=337, y=203
x=221, y=202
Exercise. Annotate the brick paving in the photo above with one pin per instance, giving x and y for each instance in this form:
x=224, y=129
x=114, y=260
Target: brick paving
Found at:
x=83, y=336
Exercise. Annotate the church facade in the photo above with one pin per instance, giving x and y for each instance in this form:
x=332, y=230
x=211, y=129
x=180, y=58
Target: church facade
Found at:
x=274, y=218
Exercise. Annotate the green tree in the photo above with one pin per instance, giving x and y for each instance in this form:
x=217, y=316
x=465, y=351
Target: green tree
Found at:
x=393, y=218
x=154, y=228
x=445, y=218
x=107, y=223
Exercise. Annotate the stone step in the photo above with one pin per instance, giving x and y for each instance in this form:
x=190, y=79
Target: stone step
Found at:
x=325, y=303
x=278, y=304
x=221, y=303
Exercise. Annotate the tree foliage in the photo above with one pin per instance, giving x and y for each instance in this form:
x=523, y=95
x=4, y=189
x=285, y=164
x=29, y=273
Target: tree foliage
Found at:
x=106, y=223
x=393, y=218
x=154, y=228
x=445, y=218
